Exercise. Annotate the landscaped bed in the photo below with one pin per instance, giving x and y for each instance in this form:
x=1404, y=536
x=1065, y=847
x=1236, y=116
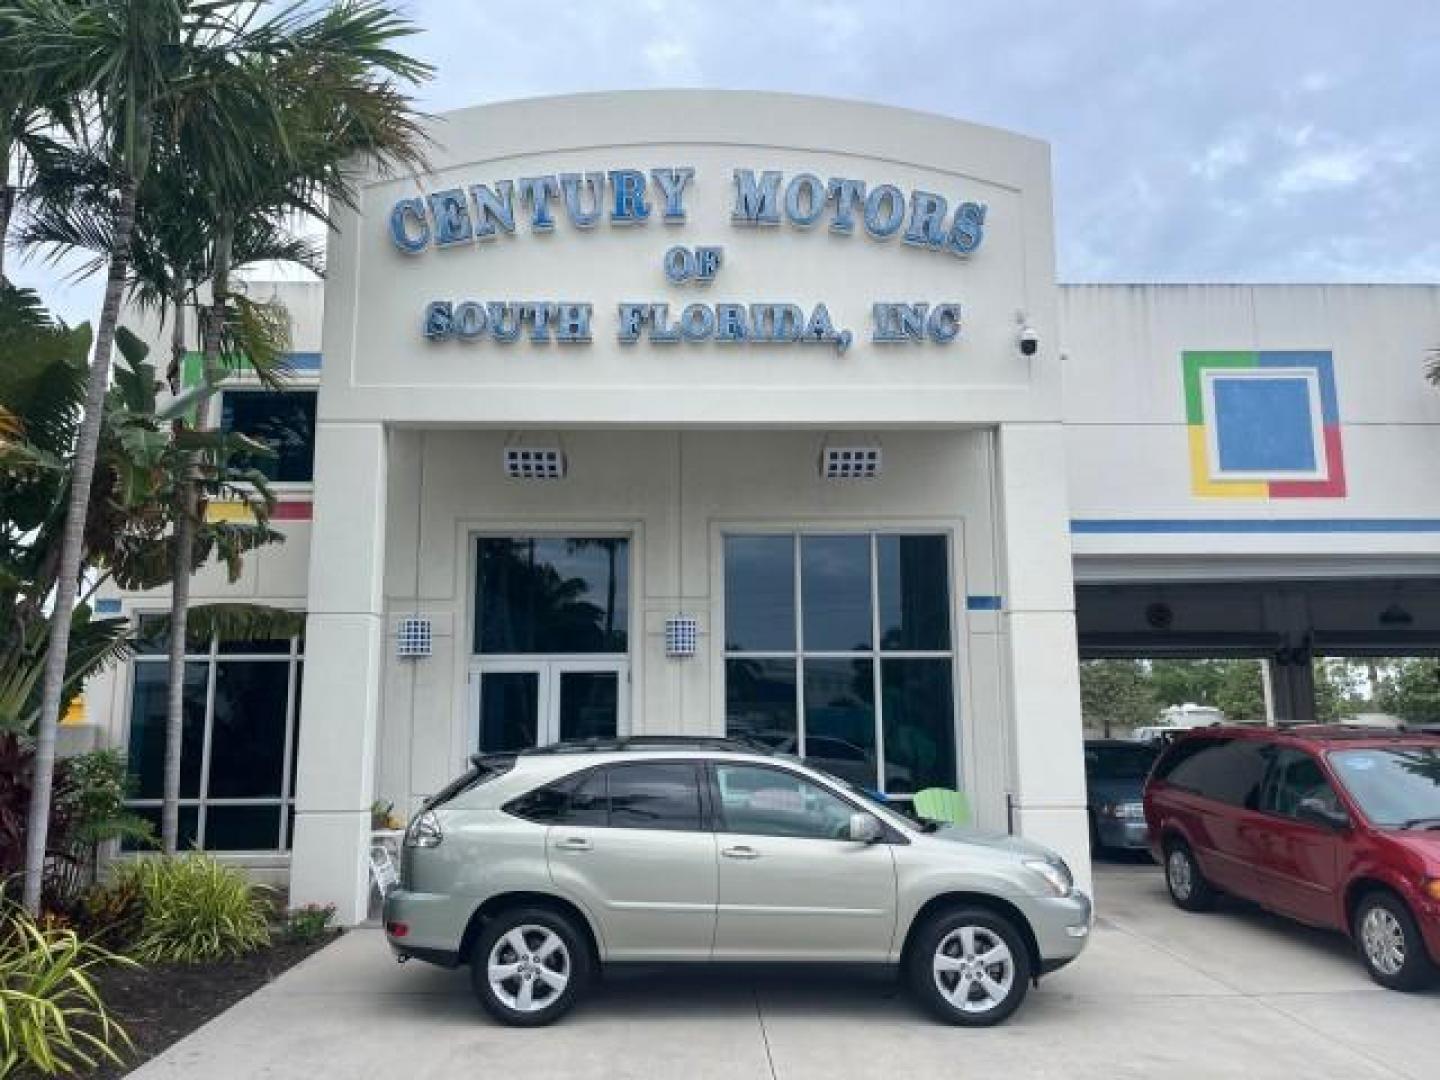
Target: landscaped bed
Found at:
x=160, y=1004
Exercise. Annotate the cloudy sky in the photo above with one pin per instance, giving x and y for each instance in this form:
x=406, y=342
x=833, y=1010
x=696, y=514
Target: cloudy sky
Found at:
x=1233, y=140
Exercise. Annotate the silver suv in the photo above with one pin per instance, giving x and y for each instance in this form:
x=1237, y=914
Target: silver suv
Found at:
x=536, y=868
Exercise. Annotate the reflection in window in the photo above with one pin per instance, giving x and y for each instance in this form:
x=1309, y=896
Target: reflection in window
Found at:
x=654, y=795
x=874, y=656
x=241, y=714
x=760, y=701
x=284, y=420
x=768, y=802
x=552, y=595
x=760, y=593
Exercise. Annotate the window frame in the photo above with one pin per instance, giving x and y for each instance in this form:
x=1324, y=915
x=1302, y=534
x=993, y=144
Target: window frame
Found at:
x=875, y=655
x=201, y=802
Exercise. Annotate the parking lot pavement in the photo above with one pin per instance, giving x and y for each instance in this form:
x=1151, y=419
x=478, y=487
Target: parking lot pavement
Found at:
x=1159, y=993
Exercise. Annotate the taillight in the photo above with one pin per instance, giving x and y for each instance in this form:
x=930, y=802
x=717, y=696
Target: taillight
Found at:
x=424, y=831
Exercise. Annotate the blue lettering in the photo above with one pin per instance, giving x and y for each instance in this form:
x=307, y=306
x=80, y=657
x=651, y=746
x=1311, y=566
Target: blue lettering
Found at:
x=452, y=218
x=882, y=225
x=927, y=220
x=671, y=183
x=967, y=230
x=628, y=187
x=804, y=199
x=846, y=194
x=493, y=208
x=595, y=183
x=414, y=210
x=538, y=191
x=756, y=204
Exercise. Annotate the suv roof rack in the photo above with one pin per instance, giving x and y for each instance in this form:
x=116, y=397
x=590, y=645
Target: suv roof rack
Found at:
x=650, y=742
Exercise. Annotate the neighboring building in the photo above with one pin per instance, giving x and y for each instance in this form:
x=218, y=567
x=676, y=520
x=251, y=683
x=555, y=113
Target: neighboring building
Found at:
x=639, y=519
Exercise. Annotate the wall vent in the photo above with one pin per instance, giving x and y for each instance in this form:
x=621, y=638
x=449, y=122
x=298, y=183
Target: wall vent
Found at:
x=534, y=463
x=850, y=462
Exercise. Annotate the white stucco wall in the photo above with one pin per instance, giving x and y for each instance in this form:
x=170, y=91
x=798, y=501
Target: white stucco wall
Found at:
x=1125, y=418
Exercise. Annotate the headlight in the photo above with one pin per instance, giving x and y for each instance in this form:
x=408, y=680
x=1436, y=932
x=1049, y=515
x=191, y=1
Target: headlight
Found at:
x=424, y=831
x=1055, y=874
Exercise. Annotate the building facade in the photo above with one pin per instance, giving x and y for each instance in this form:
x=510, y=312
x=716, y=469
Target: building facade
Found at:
x=698, y=412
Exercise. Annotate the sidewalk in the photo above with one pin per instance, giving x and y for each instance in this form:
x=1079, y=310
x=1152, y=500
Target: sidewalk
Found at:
x=1158, y=993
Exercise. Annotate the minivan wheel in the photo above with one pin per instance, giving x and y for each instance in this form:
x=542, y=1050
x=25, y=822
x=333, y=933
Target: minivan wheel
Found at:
x=1390, y=943
x=1188, y=886
x=529, y=965
x=969, y=966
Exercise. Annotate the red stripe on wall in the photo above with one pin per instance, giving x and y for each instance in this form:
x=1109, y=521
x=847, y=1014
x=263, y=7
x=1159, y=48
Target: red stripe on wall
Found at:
x=291, y=511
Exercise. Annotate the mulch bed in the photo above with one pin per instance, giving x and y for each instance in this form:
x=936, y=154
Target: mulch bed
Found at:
x=161, y=1004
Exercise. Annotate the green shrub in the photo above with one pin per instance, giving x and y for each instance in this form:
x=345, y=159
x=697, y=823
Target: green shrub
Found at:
x=308, y=923
x=196, y=909
x=52, y=1020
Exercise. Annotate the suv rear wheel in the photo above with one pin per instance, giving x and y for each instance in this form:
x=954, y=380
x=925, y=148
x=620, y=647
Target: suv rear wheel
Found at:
x=969, y=966
x=1188, y=886
x=529, y=965
x=1390, y=943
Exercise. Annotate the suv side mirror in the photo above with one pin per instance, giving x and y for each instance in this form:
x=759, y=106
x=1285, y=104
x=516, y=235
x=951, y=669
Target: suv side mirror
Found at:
x=1317, y=812
x=865, y=828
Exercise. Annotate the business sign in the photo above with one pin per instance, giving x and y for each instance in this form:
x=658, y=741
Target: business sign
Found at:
x=466, y=218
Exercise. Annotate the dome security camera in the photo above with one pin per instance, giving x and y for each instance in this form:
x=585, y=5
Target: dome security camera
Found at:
x=1029, y=341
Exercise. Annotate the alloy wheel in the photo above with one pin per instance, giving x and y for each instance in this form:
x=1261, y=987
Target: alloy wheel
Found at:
x=1180, y=873
x=974, y=969
x=529, y=968
x=1383, y=939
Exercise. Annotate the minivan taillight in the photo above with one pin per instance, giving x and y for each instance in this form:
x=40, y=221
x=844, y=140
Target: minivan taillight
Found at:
x=424, y=831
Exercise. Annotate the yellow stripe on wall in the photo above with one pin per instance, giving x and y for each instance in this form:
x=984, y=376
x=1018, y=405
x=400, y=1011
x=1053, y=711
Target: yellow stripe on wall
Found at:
x=1206, y=488
x=228, y=511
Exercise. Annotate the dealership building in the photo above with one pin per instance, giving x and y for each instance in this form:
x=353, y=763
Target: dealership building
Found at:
x=729, y=413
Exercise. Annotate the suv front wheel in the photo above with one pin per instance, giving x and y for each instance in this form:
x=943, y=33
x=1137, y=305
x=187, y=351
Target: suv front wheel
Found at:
x=529, y=965
x=969, y=966
x=1390, y=943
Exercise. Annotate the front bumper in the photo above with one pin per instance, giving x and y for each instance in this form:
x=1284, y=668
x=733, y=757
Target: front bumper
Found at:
x=1062, y=926
x=1129, y=835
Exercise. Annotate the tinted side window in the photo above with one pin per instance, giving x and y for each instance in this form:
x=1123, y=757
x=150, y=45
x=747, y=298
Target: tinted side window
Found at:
x=1296, y=777
x=654, y=795
x=1231, y=771
x=571, y=801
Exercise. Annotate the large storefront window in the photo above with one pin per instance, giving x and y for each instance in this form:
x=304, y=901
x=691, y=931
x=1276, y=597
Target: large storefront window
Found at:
x=838, y=647
x=237, y=749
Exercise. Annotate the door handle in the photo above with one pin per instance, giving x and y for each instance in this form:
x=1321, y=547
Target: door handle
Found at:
x=740, y=851
x=573, y=843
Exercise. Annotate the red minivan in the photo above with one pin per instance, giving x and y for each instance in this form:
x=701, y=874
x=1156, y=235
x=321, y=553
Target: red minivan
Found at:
x=1335, y=827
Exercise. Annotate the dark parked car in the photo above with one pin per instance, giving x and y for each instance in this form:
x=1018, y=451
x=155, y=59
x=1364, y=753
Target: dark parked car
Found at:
x=1115, y=772
x=1334, y=827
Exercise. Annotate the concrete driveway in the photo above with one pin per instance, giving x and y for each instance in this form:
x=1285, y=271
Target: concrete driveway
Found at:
x=1158, y=994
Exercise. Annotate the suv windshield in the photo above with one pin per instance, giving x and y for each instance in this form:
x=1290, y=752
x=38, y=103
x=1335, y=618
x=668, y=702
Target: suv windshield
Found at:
x=1118, y=762
x=1397, y=787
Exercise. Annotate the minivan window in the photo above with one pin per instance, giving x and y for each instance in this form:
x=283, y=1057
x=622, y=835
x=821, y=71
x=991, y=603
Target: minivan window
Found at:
x=654, y=795
x=1397, y=787
x=1226, y=770
x=1297, y=777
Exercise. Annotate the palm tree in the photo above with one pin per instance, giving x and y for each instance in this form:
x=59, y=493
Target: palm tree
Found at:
x=139, y=67
x=32, y=104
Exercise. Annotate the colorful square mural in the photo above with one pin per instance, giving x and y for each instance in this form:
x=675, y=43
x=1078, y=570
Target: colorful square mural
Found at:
x=1263, y=425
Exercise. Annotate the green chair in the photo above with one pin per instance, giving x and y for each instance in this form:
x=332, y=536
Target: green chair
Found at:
x=944, y=805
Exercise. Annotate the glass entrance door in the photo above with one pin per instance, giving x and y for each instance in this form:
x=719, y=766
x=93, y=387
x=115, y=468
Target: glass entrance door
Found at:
x=515, y=704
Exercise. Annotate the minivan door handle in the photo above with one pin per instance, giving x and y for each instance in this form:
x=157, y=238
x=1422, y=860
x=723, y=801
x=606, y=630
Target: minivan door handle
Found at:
x=573, y=843
x=740, y=851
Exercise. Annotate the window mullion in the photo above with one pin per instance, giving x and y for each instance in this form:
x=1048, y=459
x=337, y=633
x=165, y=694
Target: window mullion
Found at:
x=875, y=662
x=797, y=545
x=212, y=676
x=286, y=756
